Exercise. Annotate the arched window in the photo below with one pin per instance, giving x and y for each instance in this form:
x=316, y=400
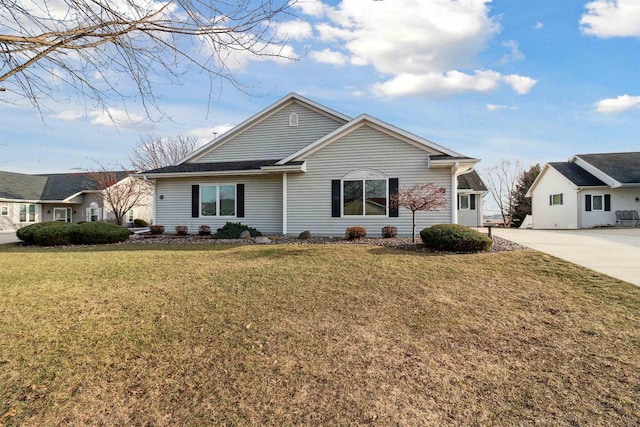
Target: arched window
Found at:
x=293, y=120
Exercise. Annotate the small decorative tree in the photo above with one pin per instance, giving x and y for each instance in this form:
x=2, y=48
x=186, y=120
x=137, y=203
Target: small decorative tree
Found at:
x=419, y=197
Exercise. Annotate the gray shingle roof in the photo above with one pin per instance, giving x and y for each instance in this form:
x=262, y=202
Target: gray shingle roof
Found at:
x=48, y=186
x=623, y=167
x=217, y=166
x=576, y=174
x=471, y=181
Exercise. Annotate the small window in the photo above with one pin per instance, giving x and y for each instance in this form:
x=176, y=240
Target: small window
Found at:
x=218, y=200
x=464, y=201
x=555, y=199
x=597, y=203
x=62, y=214
x=130, y=216
x=293, y=120
x=27, y=213
x=5, y=210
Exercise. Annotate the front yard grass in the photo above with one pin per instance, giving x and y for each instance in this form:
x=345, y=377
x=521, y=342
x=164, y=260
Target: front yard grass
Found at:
x=313, y=335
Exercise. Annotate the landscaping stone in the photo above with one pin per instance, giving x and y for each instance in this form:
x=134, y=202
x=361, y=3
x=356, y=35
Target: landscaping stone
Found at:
x=261, y=240
x=245, y=235
x=305, y=235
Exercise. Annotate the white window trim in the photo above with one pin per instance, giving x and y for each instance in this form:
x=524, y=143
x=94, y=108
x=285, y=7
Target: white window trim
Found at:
x=293, y=120
x=593, y=209
x=468, y=197
x=217, y=215
x=364, y=175
x=67, y=213
x=27, y=212
x=553, y=203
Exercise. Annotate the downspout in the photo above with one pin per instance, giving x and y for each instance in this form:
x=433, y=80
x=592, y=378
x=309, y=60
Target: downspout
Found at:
x=454, y=193
x=154, y=204
x=284, y=203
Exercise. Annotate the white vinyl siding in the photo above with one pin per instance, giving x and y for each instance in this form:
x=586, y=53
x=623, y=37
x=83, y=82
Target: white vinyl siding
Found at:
x=309, y=194
x=621, y=199
x=549, y=216
x=274, y=138
x=471, y=217
x=262, y=206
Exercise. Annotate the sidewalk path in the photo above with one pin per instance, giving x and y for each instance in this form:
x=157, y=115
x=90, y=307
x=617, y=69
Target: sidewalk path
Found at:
x=612, y=251
x=8, y=237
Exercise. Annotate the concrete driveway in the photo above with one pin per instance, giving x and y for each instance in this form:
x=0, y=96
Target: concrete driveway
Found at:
x=8, y=237
x=612, y=251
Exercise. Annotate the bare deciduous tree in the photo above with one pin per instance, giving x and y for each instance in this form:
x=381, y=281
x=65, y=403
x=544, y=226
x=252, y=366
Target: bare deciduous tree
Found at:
x=502, y=180
x=153, y=152
x=419, y=197
x=118, y=50
x=121, y=192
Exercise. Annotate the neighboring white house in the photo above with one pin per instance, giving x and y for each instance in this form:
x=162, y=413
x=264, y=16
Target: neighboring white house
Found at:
x=298, y=165
x=471, y=192
x=66, y=197
x=586, y=192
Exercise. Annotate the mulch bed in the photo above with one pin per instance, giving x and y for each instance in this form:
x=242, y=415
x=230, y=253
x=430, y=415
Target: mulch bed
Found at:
x=499, y=244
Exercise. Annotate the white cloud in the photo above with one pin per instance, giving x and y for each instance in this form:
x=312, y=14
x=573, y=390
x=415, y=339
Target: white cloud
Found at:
x=328, y=56
x=313, y=8
x=422, y=47
x=295, y=30
x=205, y=135
x=612, y=18
x=538, y=25
x=521, y=84
x=437, y=84
x=619, y=104
x=496, y=107
x=68, y=115
x=514, y=52
x=118, y=118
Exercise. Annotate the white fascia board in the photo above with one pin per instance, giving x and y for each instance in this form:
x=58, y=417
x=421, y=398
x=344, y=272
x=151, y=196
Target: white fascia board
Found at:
x=360, y=121
x=286, y=168
x=259, y=117
x=596, y=172
x=192, y=174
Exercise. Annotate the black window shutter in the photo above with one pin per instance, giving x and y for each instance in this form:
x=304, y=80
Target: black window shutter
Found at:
x=607, y=202
x=393, y=191
x=587, y=202
x=560, y=198
x=240, y=200
x=472, y=202
x=195, y=201
x=550, y=199
x=335, y=198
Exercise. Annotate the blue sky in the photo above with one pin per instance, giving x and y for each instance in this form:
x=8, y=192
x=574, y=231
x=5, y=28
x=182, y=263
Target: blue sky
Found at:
x=536, y=81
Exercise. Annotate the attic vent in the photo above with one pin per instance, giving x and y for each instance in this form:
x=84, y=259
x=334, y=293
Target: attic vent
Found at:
x=293, y=120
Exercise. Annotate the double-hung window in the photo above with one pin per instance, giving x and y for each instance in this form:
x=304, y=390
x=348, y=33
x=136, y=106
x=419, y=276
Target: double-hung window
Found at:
x=27, y=213
x=5, y=210
x=62, y=214
x=597, y=202
x=364, y=193
x=464, y=201
x=555, y=199
x=218, y=200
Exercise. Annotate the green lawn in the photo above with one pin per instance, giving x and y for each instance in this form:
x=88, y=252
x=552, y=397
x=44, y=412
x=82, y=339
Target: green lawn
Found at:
x=312, y=334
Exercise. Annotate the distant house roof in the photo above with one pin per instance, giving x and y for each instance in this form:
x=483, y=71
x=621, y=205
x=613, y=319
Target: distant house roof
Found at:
x=471, y=181
x=576, y=174
x=623, y=167
x=59, y=186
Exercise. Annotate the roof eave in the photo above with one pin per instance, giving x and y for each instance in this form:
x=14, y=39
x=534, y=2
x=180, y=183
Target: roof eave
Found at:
x=206, y=173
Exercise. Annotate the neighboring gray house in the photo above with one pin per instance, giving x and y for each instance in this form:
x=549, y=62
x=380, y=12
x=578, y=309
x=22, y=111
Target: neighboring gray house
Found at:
x=585, y=192
x=298, y=165
x=67, y=197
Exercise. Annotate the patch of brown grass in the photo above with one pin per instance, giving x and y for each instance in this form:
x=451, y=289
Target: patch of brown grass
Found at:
x=316, y=335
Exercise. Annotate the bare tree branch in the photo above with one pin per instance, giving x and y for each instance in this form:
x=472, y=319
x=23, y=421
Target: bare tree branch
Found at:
x=419, y=197
x=502, y=180
x=109, y=51
x=153, y=152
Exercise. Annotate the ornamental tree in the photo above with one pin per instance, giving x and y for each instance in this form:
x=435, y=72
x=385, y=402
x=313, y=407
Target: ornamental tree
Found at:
x=419, y=197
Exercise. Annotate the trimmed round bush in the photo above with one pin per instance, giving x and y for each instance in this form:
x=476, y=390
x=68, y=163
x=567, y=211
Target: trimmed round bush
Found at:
x=355, y=232
x=97, y=233
x=182, y=230
x=58, y=234
x=156, y=229
x=26, y=233
x=232, y=230
x=140, y=223
x=389, y=232
x=204, y=230
x=455, y=238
